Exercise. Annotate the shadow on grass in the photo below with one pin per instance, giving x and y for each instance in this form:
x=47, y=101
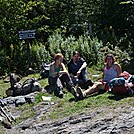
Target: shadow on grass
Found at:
x=96, y=94
x=6, y=125
x=72, y=99
x=111, y=96
x=116, y=97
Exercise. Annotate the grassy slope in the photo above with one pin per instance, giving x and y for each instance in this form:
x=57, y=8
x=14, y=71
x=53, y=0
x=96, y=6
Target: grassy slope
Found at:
x=67, y=106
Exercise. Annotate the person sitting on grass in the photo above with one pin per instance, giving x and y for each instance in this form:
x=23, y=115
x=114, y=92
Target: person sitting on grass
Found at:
x=58, y=74
x=77, y=70
x=111, y=70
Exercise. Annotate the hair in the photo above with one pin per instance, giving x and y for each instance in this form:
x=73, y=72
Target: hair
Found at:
x=57, y=56
x=110, y=55
x=76, y=52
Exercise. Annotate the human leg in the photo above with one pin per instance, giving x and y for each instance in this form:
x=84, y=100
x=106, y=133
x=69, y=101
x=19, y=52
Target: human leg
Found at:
x=65, y=78
x=95, y=88
x=59, y=88
x=56, y=85
x=85, y=82
x=52, y=85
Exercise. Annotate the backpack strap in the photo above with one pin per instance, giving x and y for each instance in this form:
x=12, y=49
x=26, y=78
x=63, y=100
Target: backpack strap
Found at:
x=30, y=82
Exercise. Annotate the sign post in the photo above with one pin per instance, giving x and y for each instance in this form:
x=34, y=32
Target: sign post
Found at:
x=26, y=35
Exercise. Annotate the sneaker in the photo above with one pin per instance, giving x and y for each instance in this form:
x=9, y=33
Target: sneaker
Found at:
x=74, y=92
x=80, y=92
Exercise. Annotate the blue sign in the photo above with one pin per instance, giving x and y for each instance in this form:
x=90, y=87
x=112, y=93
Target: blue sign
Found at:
x=26, y=34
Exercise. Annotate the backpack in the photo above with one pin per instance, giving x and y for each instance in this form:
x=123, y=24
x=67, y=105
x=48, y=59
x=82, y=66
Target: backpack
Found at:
x=45, y=70
x=124, y=85
x=30, y=85
x=18, y=88
x=117, y=82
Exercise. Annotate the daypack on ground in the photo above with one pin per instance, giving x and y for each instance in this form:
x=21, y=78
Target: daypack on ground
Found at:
x=44, y=70
x=117, y=82
x=124, y=85
x=18, y=88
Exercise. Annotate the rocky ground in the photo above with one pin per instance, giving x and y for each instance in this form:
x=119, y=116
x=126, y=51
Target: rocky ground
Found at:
x=104, y=121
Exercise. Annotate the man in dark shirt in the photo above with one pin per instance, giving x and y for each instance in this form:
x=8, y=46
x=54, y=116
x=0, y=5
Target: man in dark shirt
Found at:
x=77, y=70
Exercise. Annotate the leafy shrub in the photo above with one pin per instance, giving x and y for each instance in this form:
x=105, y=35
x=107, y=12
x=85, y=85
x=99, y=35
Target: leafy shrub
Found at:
x=91, y=49
x=39, y=54
x=3, y=59
x=88, y=48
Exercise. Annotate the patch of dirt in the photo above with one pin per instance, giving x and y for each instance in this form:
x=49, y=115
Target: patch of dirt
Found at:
x=105, y=121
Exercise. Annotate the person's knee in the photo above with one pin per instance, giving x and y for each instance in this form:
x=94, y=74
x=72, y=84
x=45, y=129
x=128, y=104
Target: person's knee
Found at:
x=65, y=75
x=97, y=85
x=100, y=86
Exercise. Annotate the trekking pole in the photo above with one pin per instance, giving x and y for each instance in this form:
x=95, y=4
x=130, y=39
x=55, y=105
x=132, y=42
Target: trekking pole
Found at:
x=9, y=117
x=3, y=111
x=9, y=113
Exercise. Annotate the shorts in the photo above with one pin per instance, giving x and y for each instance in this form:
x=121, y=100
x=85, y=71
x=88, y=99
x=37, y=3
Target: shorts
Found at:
x=105, y=85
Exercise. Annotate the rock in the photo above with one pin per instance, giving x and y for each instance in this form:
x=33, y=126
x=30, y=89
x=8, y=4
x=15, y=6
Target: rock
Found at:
x=1, y=118
x=95, y=122
x=20, y=100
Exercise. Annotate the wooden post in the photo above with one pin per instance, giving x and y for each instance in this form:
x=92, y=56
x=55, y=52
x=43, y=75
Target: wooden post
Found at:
x=26, y=35
x=28, y=53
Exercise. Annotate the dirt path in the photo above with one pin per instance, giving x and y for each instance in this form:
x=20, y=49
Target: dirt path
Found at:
x=104, y=121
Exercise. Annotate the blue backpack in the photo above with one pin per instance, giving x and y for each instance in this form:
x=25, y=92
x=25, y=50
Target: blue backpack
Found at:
x=117, y=82
x=122, y=86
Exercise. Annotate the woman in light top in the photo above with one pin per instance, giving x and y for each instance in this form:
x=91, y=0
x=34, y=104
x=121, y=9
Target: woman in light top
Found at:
x=111, y=70
x=58, y=75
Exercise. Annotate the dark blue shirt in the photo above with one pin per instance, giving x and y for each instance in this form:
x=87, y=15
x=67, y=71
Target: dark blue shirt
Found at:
x=74, y=68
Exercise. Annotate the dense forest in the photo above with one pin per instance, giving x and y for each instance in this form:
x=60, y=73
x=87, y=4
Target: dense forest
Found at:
x=92, y=27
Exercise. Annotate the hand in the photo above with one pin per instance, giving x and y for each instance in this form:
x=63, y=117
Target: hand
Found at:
x=76, y=77
x=78, y=73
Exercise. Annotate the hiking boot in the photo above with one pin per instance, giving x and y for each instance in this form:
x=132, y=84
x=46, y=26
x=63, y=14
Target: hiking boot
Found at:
x=80, y=92
x=60, y=94
x=74, y=92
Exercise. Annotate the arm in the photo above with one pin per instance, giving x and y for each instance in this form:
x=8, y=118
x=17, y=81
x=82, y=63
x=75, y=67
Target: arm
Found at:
x=64, y=70
x=103, y=72
x=118, y=68
x=54, y=74
x=69, y=68
x=84, y=65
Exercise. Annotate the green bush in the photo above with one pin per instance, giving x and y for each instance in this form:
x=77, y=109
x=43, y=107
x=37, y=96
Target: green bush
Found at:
x=39, y=54
x=91, y=49
x=88, y=48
